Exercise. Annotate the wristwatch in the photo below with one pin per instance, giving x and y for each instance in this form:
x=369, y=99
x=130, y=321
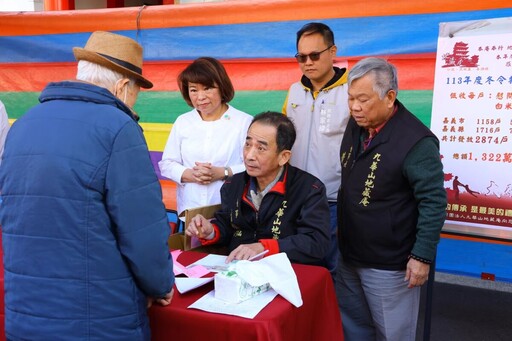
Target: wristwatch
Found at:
x=226, y=173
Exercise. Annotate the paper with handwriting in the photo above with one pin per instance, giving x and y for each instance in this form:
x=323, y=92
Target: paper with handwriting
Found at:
x=212, y=262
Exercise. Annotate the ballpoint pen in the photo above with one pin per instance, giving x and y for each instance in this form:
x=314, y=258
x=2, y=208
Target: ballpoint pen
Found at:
x=258, y=256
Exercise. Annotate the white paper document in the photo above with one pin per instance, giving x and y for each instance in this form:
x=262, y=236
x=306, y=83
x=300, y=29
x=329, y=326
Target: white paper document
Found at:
x=214, y=263
x=248, y=309
x=185, y=284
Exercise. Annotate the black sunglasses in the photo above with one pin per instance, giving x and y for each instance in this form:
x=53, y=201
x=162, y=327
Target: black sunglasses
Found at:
x=314, y=56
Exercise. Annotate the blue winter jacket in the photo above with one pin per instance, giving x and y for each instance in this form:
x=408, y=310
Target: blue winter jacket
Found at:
x=83, y=223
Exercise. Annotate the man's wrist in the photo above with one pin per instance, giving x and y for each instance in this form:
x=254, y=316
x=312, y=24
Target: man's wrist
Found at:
x=420, y=259
x=211, y=235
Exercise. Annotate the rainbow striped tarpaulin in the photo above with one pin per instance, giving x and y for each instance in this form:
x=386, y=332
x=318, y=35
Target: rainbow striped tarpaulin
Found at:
x=254, y=39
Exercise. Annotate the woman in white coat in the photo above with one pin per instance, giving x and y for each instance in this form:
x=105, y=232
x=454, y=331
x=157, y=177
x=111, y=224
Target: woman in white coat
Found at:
x=205, y=145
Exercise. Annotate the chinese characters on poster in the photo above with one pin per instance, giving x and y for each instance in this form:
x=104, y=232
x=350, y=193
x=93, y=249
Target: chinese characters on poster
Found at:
x=472, y=117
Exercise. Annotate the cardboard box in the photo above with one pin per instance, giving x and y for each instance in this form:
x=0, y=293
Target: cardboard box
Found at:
x=206, y=211
x=176, y=241
x=231, y=288
x=180, y=241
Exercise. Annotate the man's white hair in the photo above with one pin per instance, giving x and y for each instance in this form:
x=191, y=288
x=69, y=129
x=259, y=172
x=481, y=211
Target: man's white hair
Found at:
x=99, y=75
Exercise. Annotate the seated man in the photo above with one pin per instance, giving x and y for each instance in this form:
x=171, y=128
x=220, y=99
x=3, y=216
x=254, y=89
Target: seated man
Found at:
x=272, y=205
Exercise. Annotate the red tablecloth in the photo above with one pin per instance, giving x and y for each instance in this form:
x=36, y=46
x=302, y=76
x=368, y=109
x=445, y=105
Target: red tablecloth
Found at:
x=317, y=319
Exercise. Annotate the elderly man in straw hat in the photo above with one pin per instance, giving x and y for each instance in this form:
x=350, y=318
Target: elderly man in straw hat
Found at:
x=84, y=228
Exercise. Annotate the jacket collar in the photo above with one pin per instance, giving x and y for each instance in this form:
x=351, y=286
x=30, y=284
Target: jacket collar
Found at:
x=279, y=187
x=340, y=77
x=385, y=131
x=82, y=91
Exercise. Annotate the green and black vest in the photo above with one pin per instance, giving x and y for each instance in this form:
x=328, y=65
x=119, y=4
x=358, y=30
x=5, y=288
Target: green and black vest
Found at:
x=377, y=212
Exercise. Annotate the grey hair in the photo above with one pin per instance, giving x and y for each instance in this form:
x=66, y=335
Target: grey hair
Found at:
x=384, y=73
x=99, y=75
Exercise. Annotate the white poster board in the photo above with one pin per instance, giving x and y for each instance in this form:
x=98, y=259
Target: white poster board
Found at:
x=472, y=117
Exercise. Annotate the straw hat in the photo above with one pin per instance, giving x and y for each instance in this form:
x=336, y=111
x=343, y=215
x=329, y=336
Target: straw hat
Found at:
x=116, y=52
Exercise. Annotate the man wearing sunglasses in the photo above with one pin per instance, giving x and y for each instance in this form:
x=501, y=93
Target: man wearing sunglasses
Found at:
x=317, y=104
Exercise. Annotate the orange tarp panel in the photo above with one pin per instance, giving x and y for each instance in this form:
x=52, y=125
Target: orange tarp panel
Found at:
x=229, y=12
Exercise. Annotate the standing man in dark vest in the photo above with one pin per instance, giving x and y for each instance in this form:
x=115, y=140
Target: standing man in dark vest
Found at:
x=391, y=208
